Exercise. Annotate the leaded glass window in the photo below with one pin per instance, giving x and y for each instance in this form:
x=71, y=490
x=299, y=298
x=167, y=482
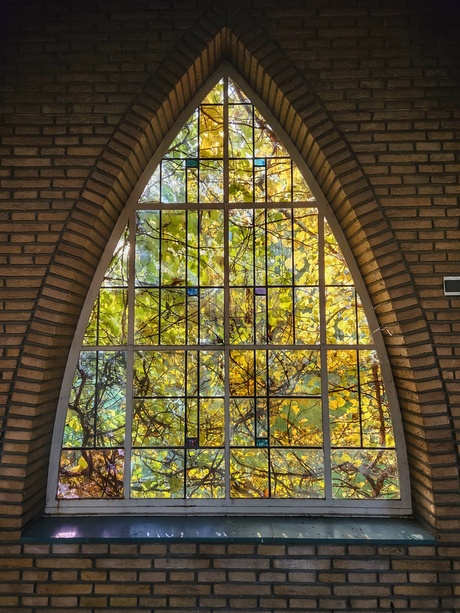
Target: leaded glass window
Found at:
x=228, y=362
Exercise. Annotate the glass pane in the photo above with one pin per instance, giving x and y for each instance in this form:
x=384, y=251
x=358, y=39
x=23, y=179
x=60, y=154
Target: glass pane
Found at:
x=111, y=399
x=241, y=247
x=157, y=473
x=173, y=313
x=116, y=274
x=375, y=413
x=364, y=473
x=113, y=317
x=211, y=422
x=211, y=187
x=336, y=271
x=216, y=95
x=240, y=130
x=235, y=94
x=364, y=332
x=205, y=473
x=147, y=259
x=212, y=316
x=212, y=131
x=279, y=180
x=248, y=373
x=241, y=316
x=172, y=181
x=159, y=373
x=296, y=422
x=279, y=247
x=211, y=248
x=297, y=473
x=249, y=473
x=185, y=145
x=147, y=316
x=307, y=321
x=212, y=381
x=240, y=181
x=266, y=143
x=340, y=315
x=159, y=422
x=151, y=192
x=242, y=421
x=280, y=316
x=294, y=373
x=173, y=247
x=300, y=190
x=79, y=425
x=305, y=247
x=192, y=248
x=91, y=474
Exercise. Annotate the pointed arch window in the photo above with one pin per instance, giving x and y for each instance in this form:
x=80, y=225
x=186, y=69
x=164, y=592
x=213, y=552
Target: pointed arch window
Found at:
x=227, y=364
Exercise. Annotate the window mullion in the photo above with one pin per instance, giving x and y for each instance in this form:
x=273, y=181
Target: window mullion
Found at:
x=323, y=358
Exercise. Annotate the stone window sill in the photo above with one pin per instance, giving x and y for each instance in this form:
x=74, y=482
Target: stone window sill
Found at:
x=275, y=530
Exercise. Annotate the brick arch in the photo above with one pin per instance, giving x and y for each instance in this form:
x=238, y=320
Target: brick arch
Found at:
x=285, y=93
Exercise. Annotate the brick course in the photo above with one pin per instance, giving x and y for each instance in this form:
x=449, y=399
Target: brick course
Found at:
x=368, y=91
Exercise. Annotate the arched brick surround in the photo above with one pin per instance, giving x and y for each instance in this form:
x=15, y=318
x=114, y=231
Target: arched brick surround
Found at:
x=216, y=38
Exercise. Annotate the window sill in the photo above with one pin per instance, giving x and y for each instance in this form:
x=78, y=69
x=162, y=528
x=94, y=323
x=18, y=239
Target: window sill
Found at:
x=273, y=530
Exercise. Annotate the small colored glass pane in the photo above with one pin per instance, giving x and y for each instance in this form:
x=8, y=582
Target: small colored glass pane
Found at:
x=259, y=162
x=249, y=473
x=157, y=473
x=85, y=473
x=297, y=473
x=364, y=473
x=191, y=163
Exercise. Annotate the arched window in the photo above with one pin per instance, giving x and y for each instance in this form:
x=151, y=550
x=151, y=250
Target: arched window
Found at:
x=227, y=364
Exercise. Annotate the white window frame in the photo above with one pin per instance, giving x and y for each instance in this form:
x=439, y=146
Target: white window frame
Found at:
x=317, y=507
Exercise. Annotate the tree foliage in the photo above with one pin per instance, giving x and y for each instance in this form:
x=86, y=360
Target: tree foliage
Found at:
x=251, y=354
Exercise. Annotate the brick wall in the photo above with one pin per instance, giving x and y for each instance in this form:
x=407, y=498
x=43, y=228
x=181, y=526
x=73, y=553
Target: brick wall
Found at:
x=368, y=91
